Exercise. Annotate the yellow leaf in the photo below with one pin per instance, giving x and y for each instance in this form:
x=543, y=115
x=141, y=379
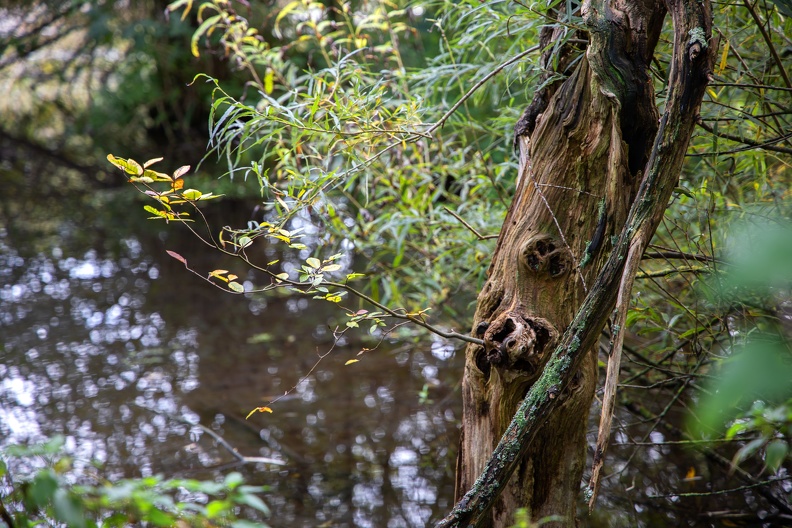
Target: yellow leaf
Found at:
x=724, y=56
x=258, y=409
x=232, y=277
x=351, y=361
x=217, y=273
x=178, y=184
x=691, y=473
x=269, y=81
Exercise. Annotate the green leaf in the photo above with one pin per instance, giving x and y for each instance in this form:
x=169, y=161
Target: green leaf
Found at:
x=245, y=241
x=775, y=454
x=254, y=502
x=313, y=262
x=233, y=480
x=155, y=176
x=235, y=286
x=332, y=267
x=68, y=509
x=43, y=487
x=263, y=337
x=748, y=449
x=129, y=166
x=216, y=507
x=192, y=194
x=134, y=165
x=159, y=517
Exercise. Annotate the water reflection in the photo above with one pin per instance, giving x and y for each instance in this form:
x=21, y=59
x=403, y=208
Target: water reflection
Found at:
x=110, y=342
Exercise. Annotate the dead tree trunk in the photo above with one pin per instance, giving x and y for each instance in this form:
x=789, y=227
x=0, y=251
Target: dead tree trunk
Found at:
x=585, y=145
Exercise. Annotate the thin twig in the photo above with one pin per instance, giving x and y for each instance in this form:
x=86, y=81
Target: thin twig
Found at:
x=746, y=141
x=478, y=85
x=749, y=85
x=720, y=492
x=472, y=229
x=671, y=271
x=769, y=43
x=764, y=146
x=669, y=254
x=336, y=336
x=219, y=439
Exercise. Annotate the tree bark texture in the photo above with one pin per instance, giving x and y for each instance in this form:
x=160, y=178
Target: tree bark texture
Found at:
x=586, y=146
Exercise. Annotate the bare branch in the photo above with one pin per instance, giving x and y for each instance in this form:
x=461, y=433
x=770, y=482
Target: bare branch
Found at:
x=767, y=145
x=470, y=227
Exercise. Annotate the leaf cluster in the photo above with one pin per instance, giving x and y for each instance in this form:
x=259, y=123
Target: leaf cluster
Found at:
x=48, y=495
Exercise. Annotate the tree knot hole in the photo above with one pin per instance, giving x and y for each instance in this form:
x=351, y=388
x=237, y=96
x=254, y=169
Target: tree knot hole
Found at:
x=515, y=340
x=542, y=255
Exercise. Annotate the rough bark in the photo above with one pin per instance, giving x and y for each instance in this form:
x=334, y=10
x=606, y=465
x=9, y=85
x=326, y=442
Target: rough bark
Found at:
x=580, y=170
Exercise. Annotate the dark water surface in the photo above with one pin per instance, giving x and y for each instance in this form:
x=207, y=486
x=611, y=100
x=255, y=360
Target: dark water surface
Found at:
x=109, y=341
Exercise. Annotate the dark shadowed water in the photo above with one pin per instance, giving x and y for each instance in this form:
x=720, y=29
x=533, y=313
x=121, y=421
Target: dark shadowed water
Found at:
x=109, y=341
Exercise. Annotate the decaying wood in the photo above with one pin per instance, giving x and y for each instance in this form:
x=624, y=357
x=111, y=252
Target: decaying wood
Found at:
x=637, y=248
x=560, y=258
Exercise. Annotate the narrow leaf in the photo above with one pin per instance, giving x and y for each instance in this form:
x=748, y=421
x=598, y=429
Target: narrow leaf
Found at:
x=177, y=256
x=181, y=171
x=151, y=162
